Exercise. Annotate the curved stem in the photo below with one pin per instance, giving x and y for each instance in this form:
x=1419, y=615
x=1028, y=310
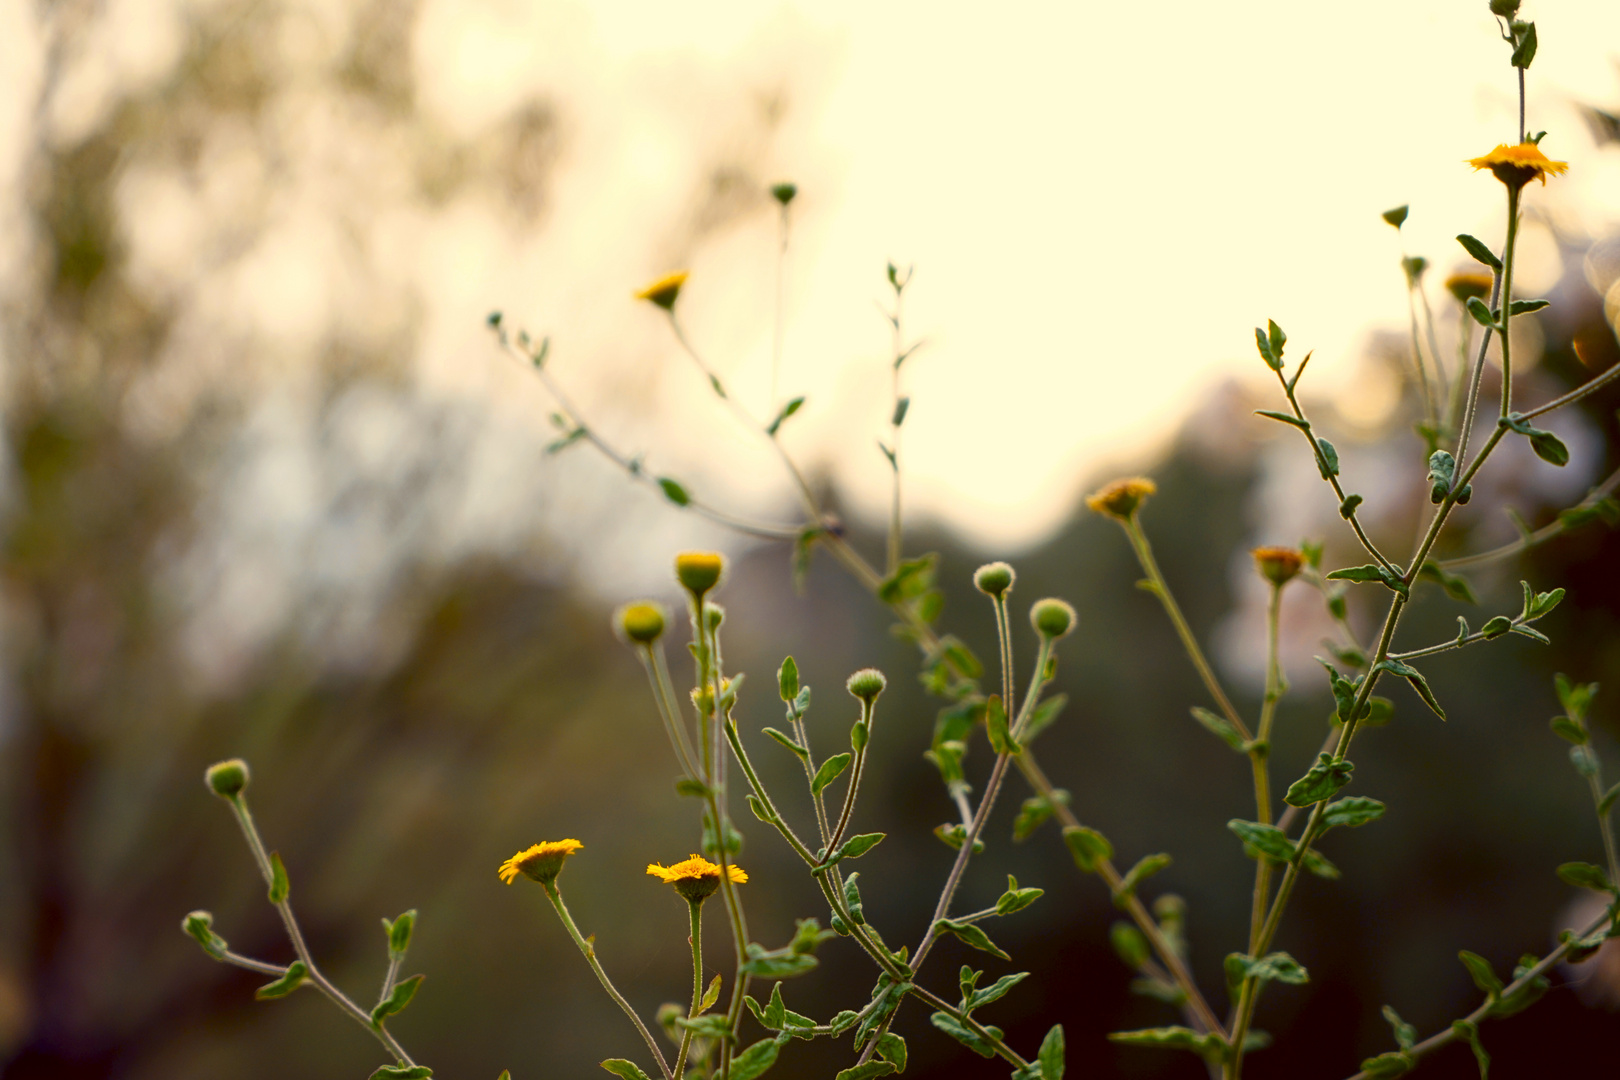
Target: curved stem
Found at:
x=696, y=909
x=588, y=951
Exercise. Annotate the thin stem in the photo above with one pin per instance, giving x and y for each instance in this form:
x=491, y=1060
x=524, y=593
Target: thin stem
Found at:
x=895, y=540
x=251, y=964
x=1507, y=293
x=395, y=960
x=1430, y=411
x=1004, y=641
x=1260, y=755
x=1604, y=828
x=1161, y=589
x=1434, y=351
x=588, y=951
x=696, y=939
x=249, y=830
x=652, y=660
x=867, y=718
x=1576, y=394
x=1001, y=1048
x=781, y=278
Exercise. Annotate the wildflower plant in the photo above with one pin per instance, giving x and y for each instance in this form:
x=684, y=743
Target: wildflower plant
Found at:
x=736, y=1028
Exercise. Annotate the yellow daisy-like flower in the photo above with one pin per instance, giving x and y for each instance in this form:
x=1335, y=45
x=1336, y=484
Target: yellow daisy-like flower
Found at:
x=542, y=862
x=1122, y=498
x=696, y=878
x=664, y=291
x=1517, y=165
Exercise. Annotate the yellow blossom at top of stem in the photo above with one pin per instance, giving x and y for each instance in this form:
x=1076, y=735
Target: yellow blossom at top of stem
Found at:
x=664, y=291
x=542, y=862
x=695, y=878
x=1517, y=165
x=1122, y=498
x=1278, y=565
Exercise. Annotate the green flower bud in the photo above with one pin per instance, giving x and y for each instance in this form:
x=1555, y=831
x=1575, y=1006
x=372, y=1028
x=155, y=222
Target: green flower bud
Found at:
x=994, y=579
x=714, y=615
x=867, y=684
x=200, y=925
x=1504, y=9
x=228, y=779
x=641, y=622
x=699, y=571
x=784, y=192
x=1052, y=618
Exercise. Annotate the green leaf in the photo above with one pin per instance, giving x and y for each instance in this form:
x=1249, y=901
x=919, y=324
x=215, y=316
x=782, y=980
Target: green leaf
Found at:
x=1278, y=967
x=711, y=995
x=1479, y=251
x=868, y=1071
x=829, y=771
x=1421, y=685
x=969, y=1038
x=674, y=492
x=995, y=725
x=1267, y=840
x=843, y=1021
x=910, y=579
x=755, y=1060
x=787, y=680
x=1351, y=812
x=1369, y=572
x=1495, y=627
x=1263, y=343
x=1524, y=49
x=406, y=1072
x=1584, y=760
x=1052, y=1054
x=900, y=409
x=858, y=845
x=759, y=808
x=1481, y=313
x=628, y=1070
x=280, y=887
x=1277, y=339
x=292, y=980
x=1395, y=217
x=970, y=934
x=399, y=932
x=1145, y=867
x=1606, y=803
x=1088, y=847
x=396, y=1001
x=1322, y=781
x=1550, y=448
x=852, y=899
x=1479, y=969
x=686, y=787
x=1327, y=461
x=1525, y=307
x=1394, y=1063
x=1542, y=604
x=994, y=992
x=1284, y=418
x=1584, y=875
x=780, y=964
x=1344, y=691
x=1348, y=508
x=1219, y=727
x=1171, y=1038
x=787, y=741
x=804, y=546
x=200, y=925
x=1468, y=1032
x=1455, y=586
x=787, y=410
x=1569, y=731
x=1129, y=944
x=1043, y=717
x=1016, y=899
x=1034, y=812
x=892, y=1048
x=1405, y=1034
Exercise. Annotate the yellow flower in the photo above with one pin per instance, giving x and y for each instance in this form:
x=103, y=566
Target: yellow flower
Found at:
x=1122, y=498
x=1278, y=565
x=699, y=571
x=542, y=862
x=1466, y=283
x=664, y=291
x=696, y=878
x=1517, y=165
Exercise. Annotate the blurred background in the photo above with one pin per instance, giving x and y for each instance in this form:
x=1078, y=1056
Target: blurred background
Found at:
x=269, y=489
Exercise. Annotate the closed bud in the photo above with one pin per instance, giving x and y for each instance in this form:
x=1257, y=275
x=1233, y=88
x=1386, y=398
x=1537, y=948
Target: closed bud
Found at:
x=228, y=779
x=1122, y=498
x=784, y=192
x=699, y=571
x=1504, y=9
x=1465, y=284
x=641, y=622
x=1395, y=217
x=1052, y=618
x=714, y=615
x=867, y=684
x=1278, y=565
x=994, y=579
x=200, y=925
x=664, y=291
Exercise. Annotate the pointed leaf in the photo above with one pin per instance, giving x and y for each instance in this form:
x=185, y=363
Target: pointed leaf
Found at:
x=1479, y=251
x=829, y=771
x=627, y=1070
x=397, y=999
x=1052, y=1054
x=970, y=934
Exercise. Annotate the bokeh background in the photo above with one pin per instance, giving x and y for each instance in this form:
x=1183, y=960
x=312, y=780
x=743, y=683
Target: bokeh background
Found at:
x=268, y=488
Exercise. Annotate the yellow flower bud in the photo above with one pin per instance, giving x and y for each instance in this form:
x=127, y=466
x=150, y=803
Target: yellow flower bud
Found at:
x=1122, y=498
x=641, y=622
x=699, y=571
x=1278, y=565
x=228, y=779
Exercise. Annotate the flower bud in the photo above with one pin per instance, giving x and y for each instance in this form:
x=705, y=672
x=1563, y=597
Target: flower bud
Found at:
x=1465, y=284
x=994, y=579
x=1504, y=9
x=228, y=779
x=699, y=571
x=1278, y=565
x=784, y=192
x=1121, y=499
x=641, y=622
x=1052, y=618
x=664, y=291
x=867, y=684
x=713, y=616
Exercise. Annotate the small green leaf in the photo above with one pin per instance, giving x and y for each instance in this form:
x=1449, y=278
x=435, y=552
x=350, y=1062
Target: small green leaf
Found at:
x=200, y=925
x=1171, y=1038
x=1543, y=604
x=1278, y=967
x=787, y=410
x=1524, y=307
x=829, y=771
x=1347, y=508
x=1052, y=1054
x=1267, y=840
x=407, y=1072
x=900, y=409
x=1524, y=48
x=627, y=1070
x=1479, y=251
x=1368, y=572
x=1322, y=781
x=292, y=980
x=1276, y=337
x=674, y=492
x=1481, y=313
x=686, y=787
x=1405, y=1034
x=1584, y=875
x=869, y=1071
x=1395, y=217
x=1327, y=461
x=995, y=725
x=1088, y=847
x=969, y=934
x=1569, y=730
x=1496, y=627
x=787, y=741
x=1263, y=343
x=892, y=1048
x=755, y=1060
x=778, y=965
x=969, y=1038
x=396, y=1001
x=1455, y=586
x=759, y=808
x=1384, y=1066
x=1550, y=448
x=852, y=899
x=712, y=995
x=399, y=932
x=787, y=680
x=1284, y=418
x=279, y=885
x=1468, y=1032
x=1129, y=944
x=1219, y=727
x=1145, y=867
x=1479, y=969
x=1016, y=899
x=1351, y=812
x=858, y=845
x=973, y=999
x=1606, y=803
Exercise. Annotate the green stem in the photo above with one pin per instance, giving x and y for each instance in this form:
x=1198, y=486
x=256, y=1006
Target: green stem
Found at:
x=867, y=718
x=696, y=909
x=588, y=951
x=1260, y=757
x=1507, y=297
x=652, y=660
